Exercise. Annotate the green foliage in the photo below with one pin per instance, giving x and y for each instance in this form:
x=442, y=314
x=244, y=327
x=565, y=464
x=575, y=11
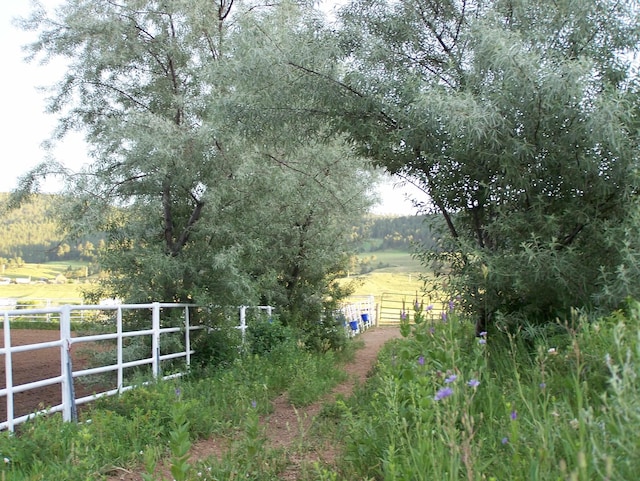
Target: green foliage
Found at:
x=32, y=234
x=520, y=123
x=265, y=335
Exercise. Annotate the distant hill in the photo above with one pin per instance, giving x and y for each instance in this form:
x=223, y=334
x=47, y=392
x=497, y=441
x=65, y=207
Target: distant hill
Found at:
x=30, y=234
x=377, y=233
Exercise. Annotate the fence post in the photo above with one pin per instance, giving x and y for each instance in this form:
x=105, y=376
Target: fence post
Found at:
x=155, y=339
x=187, y=337
x=243, y=320
x=119, y=347
x=68, y=394
x=8, y=366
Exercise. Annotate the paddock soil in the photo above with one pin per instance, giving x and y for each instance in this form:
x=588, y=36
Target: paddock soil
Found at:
x=287, y=427
x=36, y=365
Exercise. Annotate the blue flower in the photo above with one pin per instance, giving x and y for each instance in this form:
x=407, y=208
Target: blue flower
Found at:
x=514, y=415
x=421, y=360
x=450, y=379
x=505, y=440
x=443, y=393
x=473, y=383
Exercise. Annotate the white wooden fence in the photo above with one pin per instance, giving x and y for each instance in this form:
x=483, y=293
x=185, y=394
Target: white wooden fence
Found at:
x=360, y=313
x=65, y=342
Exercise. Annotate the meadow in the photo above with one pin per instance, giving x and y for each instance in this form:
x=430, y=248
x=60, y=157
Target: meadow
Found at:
x=40, y=289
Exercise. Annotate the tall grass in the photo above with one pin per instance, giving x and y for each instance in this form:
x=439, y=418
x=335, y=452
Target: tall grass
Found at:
x=561, y=403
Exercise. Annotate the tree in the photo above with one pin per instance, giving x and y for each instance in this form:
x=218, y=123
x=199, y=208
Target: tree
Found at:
x=520, y=122
x=201, y=201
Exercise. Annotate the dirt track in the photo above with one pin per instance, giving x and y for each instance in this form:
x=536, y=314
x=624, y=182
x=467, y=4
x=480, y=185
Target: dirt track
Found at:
x=287, y=427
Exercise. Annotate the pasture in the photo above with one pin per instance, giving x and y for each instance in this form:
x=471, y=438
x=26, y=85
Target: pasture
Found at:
x=39, y=289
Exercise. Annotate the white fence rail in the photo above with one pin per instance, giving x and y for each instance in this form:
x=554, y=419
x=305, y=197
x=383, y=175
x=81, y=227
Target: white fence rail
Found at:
x=66, y=376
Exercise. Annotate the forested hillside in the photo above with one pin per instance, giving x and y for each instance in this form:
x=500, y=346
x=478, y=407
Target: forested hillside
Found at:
x=30, y=234
x=392, y=232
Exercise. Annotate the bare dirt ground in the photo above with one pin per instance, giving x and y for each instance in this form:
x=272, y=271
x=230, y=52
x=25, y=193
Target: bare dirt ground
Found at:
x=287, y=427
x=35, y=365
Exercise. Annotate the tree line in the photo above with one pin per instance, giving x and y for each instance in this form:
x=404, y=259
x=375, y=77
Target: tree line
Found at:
x=32, y=234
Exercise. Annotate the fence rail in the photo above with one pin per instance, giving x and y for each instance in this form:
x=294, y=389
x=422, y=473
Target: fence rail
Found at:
x=66, y=376
x=392, y=304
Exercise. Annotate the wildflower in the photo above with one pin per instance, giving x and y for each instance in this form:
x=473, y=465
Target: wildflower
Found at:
x=6, y=460
x=444, y=316
x=417, y=305
x=450, y=379
x=430, y=307
x=473, y=383
x=514, y=415
x=421, y=360
x=482, y=341
x=178, y=392
x=451, y=305
x=254, y=404
x=403, y=315
x=552, y=351
x=483, y=334
x=432, y=330
x=505, y=440
x=543, y=385
x=443, y=393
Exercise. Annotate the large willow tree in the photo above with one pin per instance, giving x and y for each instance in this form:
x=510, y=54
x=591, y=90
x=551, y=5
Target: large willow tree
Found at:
x=196, y=205
x=519, y=119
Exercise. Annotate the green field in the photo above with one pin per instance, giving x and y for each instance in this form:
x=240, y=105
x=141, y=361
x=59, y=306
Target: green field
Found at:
x=393, y=271
x=38, y=289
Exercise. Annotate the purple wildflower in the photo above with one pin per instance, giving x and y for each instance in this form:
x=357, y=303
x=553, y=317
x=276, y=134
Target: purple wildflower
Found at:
x=451, y=305
x=505, y=440
x=430, y=307
x=443, y=393
x=514, y=415
x=473, y=383
x=482, y=341
x=483, y=334
x=254, y=404
x=178, y=392
x=543, y=385
x=444, y=316
x=403, y=315
x=421, y=360
x=450, y=379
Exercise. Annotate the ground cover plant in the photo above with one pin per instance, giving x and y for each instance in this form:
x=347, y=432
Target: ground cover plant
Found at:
x=143, y=426
x=548, y=403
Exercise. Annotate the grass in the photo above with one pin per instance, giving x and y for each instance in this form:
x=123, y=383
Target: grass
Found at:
x=392, y=271
x=41, y=290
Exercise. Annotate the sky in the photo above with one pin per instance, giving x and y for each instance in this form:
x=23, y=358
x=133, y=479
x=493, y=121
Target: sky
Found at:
x=24, y=124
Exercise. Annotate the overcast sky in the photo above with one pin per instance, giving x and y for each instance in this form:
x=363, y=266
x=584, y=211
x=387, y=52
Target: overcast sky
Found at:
x=24, y=125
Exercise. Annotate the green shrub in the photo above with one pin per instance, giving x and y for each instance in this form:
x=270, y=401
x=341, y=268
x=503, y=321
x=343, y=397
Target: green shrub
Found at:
x=263, y=336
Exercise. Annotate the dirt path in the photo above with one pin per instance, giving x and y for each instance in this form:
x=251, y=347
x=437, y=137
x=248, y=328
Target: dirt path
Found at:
x=286, y=427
